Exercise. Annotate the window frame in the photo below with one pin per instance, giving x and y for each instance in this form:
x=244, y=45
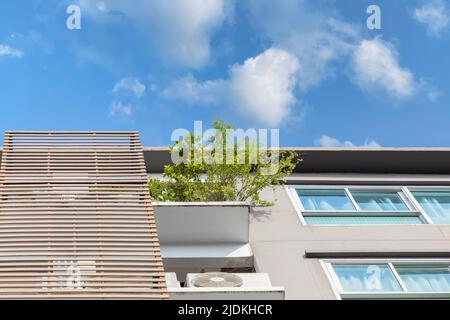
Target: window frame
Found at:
x=415, y=210
x=327, y=266
x=426, y=189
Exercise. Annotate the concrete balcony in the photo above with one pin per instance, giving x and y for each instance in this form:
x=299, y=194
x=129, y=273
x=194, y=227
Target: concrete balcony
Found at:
x=198, y=237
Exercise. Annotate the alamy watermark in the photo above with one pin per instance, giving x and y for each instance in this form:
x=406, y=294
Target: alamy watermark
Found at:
x=231, y=146
x=374, y=278
x=73, y=22
x=374, y=20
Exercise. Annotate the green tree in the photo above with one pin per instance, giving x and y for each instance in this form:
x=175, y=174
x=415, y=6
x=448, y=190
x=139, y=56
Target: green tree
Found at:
x=215, y=179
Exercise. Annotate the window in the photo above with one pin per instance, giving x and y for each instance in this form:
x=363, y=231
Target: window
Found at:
x=423, y=278
x=397, y=279
x=331, y=199
x=356, y=206
x=366, y=278
x=435, y=204
x=379, y=201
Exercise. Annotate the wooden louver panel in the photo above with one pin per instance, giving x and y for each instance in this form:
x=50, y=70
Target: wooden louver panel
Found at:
x=76, y=219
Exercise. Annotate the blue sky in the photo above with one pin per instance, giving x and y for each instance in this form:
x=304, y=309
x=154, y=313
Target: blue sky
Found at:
x=311, y=68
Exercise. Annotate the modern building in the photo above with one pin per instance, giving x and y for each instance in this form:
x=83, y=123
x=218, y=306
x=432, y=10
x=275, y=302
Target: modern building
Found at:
x=350, y=223
x=76, y=222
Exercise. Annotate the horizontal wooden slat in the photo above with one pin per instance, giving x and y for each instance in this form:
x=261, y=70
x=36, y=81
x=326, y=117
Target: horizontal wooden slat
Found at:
x=76, y=232
x=100, y=262
x=76, y=220
x=76, y=242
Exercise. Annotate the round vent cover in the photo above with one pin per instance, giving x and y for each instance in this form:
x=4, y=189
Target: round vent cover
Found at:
x=217, y=279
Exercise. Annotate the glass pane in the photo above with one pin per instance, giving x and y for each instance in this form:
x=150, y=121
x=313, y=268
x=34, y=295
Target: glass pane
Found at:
x=379, y=201
x=425, y=278
x=363, y=220
x=366, y=278
x=436, y=205
x=317, y=199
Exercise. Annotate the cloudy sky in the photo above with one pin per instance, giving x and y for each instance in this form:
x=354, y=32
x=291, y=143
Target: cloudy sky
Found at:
x=310, y=68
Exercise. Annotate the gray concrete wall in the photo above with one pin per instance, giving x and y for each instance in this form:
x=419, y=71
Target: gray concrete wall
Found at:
x=279, y=242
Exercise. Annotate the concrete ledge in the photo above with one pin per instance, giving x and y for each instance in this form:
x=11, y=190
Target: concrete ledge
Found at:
x=207, y=251
x=249, y=293
x=207, y=257
x=201, y=204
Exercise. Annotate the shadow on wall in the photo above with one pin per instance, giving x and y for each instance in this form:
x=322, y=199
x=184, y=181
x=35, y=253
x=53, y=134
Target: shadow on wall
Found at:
x=261, y=214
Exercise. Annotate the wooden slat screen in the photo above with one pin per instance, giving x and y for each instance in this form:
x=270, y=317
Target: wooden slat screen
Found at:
x=76, y=219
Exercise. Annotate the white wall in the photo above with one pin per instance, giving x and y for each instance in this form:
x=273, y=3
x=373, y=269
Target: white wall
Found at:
x=198, y=237
x=202, y=222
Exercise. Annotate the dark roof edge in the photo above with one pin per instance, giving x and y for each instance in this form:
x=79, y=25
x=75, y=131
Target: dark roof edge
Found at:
x=346, y=160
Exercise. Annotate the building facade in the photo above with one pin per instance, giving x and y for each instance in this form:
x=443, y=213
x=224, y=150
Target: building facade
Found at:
x=77, y=222
x=354, y=223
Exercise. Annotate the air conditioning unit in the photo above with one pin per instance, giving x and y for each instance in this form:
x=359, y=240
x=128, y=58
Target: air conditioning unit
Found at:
x=223, y=286
x=171, y=280
x=227, y=280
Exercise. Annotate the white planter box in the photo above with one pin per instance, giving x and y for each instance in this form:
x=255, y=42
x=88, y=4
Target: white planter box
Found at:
x=202, y=222
x=197, y=236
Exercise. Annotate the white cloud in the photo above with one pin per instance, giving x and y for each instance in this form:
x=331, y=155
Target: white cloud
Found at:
x=261, y=88
x=319, y=49
x=192, y=91
x=308, y=45
x=125, y=88
x=376, y=66
x=434, y=15
x=330, y=142
x=120, y=110
x=182, y=28
x=130, y=85
x=324, y=43
x=318, y=37
x=6, y=51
